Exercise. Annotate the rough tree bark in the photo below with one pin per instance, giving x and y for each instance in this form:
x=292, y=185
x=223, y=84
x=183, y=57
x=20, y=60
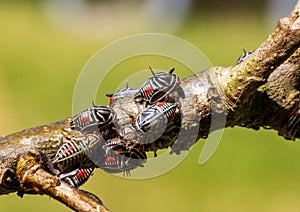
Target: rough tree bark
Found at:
x=263, y=92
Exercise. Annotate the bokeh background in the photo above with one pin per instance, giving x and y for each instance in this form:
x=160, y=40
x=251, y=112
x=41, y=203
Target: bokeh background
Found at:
x=45, y=44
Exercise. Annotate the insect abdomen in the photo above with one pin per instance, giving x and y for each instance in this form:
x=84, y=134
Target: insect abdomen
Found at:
x=69, y=154
x=155, y=117
x=79, y=177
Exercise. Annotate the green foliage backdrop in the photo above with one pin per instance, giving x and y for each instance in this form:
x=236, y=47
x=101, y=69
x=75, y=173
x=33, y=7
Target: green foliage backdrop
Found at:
x=39, y=65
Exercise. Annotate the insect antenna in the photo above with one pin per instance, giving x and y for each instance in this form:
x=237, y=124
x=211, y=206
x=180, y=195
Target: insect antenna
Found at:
x=152, y=71
x=244, y=50
x=172, y=70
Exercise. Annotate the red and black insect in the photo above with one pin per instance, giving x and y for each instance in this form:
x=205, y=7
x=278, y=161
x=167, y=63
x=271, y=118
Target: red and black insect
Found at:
x=122, y=157
x=120, y=94
x=155, y=118
x=92, y=118
x=158, y=87
x=75, y=152
x=77, y=177
x=69, y=154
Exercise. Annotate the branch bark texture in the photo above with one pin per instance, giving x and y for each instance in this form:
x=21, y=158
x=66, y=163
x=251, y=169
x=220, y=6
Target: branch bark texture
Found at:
x=263, y=91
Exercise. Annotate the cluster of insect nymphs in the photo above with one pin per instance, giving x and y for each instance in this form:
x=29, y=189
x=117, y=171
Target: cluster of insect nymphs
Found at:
x=116, y=137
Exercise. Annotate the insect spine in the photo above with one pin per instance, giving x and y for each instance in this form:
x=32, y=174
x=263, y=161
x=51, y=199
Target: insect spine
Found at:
x=158, y=87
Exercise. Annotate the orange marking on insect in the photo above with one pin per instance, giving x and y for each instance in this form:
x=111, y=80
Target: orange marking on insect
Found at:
x=133, y=120
x=70, y=149
x=110, y=160
x=81, y=174
x=161, y=104
x=148, y=90
x=171, y=116
x=85, y=120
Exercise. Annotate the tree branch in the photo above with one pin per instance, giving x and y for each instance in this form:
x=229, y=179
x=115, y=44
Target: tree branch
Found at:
x=24, y=166
x=263, y=91
x=34, y=177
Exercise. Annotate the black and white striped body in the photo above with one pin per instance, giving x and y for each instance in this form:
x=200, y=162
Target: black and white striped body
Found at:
x=244, y=56
x=78, y=176
x=69, y=154
x=156, y=117
x=73, y=161
x=92, y=118
x=120, y=94
x=75, y=152
x=121, y=157
x=158, y=87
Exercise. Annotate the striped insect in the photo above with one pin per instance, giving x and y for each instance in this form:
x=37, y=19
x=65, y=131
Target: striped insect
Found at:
x=92, y=118
x=75, y=152
x=155, y=118
x=77, y=177
x=120, y=94
x=122, y=156
x=121, y=102
x=158, y=87
x=244, y=56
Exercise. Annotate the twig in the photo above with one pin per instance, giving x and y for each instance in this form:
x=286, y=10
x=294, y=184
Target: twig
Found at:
x=33, y=177
x=269, y=77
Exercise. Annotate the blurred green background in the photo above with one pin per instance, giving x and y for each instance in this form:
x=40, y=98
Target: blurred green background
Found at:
x=45, y=44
